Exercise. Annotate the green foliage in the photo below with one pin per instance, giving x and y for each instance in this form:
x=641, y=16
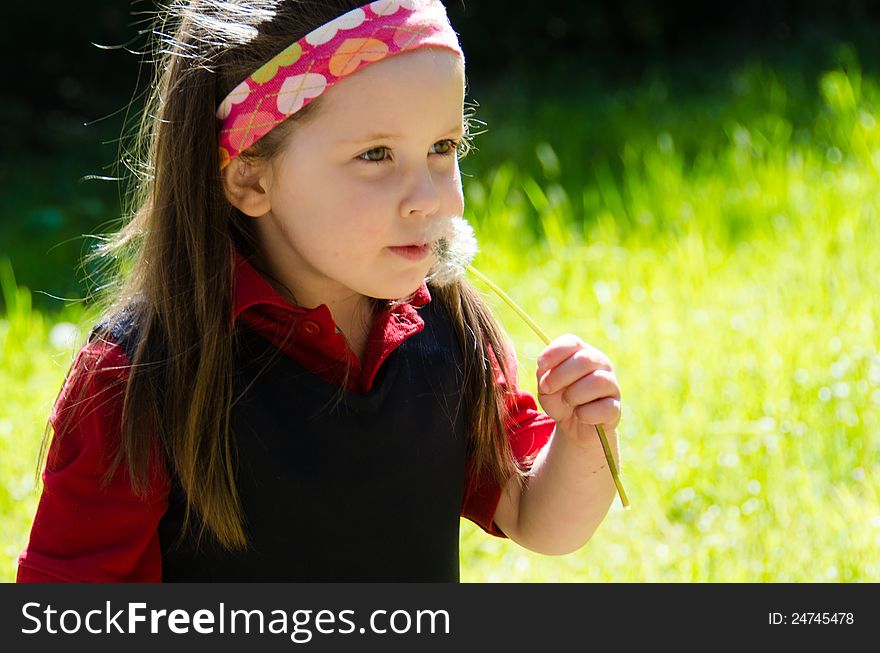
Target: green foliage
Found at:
x=731, y=280
x=35, y=352
x=720, y=248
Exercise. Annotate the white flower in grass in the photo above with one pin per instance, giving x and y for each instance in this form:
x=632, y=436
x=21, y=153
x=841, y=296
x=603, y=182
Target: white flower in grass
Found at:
x=64, y=335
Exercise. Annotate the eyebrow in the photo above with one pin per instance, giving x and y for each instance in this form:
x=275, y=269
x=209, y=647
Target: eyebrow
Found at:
x=385, y=136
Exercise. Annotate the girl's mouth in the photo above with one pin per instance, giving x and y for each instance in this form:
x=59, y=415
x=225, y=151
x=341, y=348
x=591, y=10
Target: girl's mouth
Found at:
x=412, y=252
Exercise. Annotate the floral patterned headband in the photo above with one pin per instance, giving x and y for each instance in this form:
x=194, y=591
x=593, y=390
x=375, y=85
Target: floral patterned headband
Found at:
x=303, y=71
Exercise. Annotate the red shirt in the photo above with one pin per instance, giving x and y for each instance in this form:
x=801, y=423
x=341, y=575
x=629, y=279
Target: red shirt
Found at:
x=85, y=531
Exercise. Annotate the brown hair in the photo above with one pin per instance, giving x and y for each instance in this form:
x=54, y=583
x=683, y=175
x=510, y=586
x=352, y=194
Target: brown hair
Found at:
x=173, y=257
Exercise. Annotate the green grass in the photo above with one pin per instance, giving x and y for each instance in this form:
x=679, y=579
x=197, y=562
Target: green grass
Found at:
x=723, y=254
x=35, y=352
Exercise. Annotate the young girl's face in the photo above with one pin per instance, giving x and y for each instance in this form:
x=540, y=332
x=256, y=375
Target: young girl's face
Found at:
x=357, y=189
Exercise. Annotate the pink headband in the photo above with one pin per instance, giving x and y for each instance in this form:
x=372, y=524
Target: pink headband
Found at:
x=300, y=73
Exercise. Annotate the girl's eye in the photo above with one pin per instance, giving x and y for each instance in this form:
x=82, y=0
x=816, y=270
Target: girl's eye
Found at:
x=375, y=155
x=382, y=153
x=445, y=148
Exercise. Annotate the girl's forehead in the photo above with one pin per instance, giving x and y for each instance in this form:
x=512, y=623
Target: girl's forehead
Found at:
x=421, y=77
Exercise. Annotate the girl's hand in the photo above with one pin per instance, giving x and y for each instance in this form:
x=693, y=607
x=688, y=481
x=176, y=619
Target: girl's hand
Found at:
x=578, y=389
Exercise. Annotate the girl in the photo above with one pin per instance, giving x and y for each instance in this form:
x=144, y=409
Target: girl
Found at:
x=278, y=392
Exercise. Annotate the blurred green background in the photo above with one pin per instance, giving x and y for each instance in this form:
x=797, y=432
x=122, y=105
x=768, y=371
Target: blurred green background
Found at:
x=690, y=188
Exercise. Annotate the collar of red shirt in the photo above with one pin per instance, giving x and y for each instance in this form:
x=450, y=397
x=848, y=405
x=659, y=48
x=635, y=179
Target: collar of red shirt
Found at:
x=310, y=336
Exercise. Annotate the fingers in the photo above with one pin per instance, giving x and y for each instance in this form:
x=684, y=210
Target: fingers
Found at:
x=558, y=350
x=577, y=381
x=566, y=360
x=602, y=411
x=600, y=384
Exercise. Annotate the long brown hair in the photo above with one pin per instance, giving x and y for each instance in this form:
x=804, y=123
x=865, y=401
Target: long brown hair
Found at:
x=173, y=265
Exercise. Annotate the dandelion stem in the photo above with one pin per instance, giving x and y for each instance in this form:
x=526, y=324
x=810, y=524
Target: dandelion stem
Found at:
x=511, y=303
x=528, y=320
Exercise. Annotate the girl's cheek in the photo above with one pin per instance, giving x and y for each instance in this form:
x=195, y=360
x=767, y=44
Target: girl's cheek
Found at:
x=371, y=198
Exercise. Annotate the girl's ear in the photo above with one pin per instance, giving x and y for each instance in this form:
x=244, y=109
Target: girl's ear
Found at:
x=246, y=184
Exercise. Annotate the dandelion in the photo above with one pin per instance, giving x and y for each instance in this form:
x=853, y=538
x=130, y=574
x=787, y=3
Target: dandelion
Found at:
x=455, y=246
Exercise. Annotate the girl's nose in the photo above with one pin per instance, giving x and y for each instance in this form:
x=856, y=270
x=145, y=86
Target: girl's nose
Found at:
x=422, y=197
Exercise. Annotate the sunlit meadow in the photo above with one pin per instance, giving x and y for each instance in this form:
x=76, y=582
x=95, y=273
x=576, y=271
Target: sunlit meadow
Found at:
x=722, y=251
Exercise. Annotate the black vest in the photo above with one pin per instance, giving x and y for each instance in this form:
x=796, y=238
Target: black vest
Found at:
x=337, y=486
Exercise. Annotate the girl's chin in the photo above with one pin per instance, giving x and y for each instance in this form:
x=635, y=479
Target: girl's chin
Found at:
x=400, y=292
x=398, y=284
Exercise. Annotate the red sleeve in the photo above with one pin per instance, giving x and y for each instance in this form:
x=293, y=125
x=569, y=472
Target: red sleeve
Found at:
x=85, y=530
x=528, y=430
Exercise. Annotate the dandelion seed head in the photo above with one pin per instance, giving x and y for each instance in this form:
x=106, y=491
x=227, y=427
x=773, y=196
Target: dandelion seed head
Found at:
x=455, y=246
